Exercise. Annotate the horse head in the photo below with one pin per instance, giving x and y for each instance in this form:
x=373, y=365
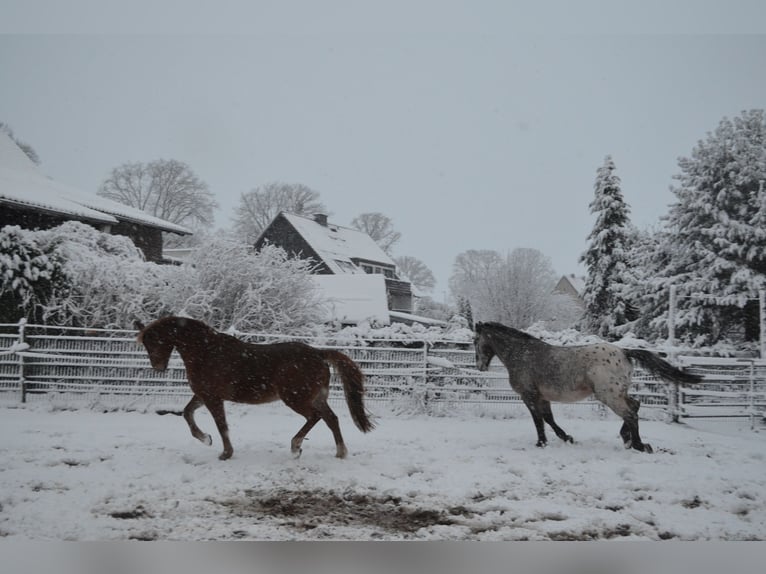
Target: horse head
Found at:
x=484, y=350
x=158, y=347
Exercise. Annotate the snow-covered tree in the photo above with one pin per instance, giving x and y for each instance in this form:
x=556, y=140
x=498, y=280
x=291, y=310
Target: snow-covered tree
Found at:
x=516, y=289
x=259, y=206
x=718, y=230
x=606, y=306
x=646, y=288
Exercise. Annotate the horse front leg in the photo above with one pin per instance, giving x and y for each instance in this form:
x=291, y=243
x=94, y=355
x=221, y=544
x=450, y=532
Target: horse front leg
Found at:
x=537, y=416
x=188, y=414
x=215, y=406
x=545, y=407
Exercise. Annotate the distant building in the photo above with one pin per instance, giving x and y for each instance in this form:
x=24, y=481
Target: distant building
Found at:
x=32, y=200
x=572, y=286
x=340, y=251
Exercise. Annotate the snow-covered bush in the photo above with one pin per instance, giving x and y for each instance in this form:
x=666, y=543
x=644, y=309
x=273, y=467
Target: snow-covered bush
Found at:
x=231, y=287
x=28, y=275
x=102, y=281
x=402, y=334
x=108, y=282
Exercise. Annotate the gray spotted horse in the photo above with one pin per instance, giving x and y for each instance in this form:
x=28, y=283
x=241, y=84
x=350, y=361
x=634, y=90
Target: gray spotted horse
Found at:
x=541, y=373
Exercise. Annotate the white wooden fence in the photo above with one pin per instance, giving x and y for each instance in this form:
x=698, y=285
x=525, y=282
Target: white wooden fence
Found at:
x=110, y=369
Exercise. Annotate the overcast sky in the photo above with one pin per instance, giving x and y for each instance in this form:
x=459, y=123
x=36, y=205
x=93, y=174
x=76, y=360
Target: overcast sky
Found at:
x=471, y=128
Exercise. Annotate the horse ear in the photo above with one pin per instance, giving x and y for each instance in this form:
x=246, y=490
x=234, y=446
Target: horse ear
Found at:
x=139, y=326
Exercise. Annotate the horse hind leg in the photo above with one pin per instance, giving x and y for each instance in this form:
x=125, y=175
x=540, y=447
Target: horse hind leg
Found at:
x=547, y=414
x=632, y=423
x=331, y=419
x=627, y=409
x=188, y=414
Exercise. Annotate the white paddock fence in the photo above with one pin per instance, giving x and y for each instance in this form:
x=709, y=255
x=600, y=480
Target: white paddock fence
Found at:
x=109, y=369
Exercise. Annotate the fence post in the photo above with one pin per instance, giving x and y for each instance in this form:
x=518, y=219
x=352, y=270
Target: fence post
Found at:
x=426, y=390
x=22, y=378
x=762, y=320
x=752, y=395
x=674, y=393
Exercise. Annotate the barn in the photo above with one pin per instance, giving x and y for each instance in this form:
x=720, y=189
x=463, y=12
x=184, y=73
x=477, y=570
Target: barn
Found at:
x=32, y=200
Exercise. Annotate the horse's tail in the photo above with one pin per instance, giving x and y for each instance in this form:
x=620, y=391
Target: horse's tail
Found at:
x=662, y=368
x=353, y=387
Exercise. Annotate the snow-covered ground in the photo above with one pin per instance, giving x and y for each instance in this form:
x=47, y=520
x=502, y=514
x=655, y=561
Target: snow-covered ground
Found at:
x=86, y=475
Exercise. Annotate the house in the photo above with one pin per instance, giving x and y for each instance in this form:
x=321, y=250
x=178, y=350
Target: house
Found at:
x=32, y=200
x=341, y=251
x=572, y=286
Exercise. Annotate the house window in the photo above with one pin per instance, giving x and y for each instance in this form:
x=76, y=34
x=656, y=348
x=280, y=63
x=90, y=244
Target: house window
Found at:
x=378, y=270
x=346, y=266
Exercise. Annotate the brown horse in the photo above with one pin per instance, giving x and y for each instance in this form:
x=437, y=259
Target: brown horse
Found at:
x=223, y=368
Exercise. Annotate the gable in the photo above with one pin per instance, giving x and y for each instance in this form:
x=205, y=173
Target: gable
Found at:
x=338, y=248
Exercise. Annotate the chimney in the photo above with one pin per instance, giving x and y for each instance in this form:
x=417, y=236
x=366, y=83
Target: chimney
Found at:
x=321, y=219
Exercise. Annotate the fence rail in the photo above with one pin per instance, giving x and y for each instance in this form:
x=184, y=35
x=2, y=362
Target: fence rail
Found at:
x=108, y=368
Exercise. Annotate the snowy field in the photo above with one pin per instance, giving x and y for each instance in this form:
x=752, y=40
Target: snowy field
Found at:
x=85, y=475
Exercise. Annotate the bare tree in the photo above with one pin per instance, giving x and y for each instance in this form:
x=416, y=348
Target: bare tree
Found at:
x=167, y=189
x=259, y=206
x=516, y=289
x=473, y=280
x=25, y=147
x=417, y=272
x=379, y=227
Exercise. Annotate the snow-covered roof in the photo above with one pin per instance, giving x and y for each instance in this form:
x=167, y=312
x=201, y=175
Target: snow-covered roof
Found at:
x=354, y=298
x=337, y=245
x=577, y=283
x=22, y=183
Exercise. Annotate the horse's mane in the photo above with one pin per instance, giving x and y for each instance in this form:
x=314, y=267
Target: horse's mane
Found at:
x=178, y=323
x=505, y=330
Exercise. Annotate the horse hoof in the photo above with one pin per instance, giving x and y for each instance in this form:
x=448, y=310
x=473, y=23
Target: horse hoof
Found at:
x=207, y=440
x=341, y=453
x=224, y=456
x=297, y=453
x=569, y=439
x=648, y=448
x=541, y=444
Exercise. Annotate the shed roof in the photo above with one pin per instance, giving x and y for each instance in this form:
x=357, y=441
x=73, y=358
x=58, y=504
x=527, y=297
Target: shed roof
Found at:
x=22, y=183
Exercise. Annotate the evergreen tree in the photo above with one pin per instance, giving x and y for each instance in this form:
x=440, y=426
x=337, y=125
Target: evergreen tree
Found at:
x=464, y=310
x=718, y=228
x=606, y=309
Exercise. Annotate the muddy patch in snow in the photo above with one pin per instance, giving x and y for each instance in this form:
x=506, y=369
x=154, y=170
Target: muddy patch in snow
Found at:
x=308, y=509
